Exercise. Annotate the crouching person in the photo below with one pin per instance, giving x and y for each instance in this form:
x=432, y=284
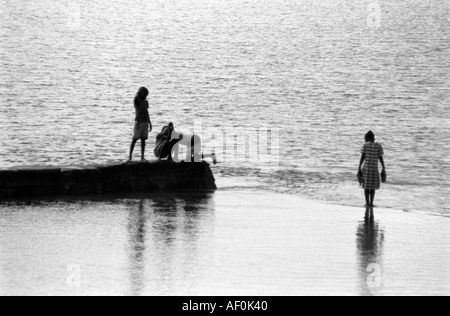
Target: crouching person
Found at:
x=168, y=144
x=165, y=143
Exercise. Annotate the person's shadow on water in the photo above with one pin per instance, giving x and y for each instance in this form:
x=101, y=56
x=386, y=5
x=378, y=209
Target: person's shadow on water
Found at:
x=369, y=243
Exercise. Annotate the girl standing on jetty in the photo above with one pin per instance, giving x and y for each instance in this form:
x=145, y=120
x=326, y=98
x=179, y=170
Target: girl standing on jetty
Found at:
x=143, y=124
x=371, y=153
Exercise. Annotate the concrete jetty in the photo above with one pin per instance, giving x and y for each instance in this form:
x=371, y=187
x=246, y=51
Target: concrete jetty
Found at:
x=37, y=181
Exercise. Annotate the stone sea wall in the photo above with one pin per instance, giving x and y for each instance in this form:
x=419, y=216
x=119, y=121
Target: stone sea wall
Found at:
x=105, y=179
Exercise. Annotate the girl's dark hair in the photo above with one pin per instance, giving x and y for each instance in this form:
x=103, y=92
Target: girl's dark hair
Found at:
x=143, y=91
x=370, y=136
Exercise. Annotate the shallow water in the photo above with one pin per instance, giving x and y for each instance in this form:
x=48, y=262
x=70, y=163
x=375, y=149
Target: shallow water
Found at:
x=320, y=71
x=223, y=243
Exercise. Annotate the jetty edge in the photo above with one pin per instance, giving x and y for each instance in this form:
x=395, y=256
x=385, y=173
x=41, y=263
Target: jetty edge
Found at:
x=35, y=181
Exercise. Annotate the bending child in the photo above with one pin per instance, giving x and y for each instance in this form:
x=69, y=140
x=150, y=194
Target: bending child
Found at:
x=169, y=141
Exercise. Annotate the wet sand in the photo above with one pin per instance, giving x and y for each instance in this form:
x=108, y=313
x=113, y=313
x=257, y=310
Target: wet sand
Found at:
x=223, y=243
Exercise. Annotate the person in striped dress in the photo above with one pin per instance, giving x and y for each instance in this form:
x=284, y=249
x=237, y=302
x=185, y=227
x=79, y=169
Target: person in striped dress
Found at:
x=371, y=153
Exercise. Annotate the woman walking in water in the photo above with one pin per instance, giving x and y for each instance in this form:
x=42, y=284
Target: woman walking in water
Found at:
x=371, y=153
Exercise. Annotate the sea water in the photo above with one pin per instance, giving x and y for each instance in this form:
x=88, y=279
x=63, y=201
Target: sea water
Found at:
x=319, y=73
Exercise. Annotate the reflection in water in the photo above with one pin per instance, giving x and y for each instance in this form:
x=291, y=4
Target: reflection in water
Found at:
x=137, y=232
x=163, y=236
x=370, y=240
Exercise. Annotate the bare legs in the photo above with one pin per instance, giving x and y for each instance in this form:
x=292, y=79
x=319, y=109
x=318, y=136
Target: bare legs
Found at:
x=370, y=197
x=133, y=144
x=143, y=150
x=195, y=151
x=367, y=195
x=212, y=156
